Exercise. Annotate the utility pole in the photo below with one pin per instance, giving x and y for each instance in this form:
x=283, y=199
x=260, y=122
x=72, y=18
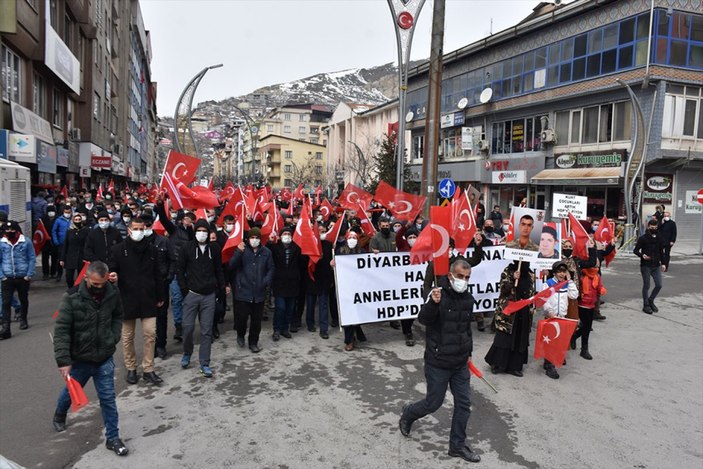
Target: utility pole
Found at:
x=429, y=162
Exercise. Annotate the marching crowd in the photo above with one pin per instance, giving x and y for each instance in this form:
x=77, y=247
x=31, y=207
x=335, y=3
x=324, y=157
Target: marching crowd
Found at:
x=138, y=259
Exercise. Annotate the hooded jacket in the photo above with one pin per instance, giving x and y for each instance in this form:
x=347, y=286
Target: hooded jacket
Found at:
x=59, y=229
x=253, y=273
x=99, y=242
x=200, y=270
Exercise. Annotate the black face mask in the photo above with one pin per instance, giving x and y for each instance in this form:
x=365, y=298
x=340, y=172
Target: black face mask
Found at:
x=567, y=252
x=96, y=292
x=386, y=231
x=488, y=229
x=653, y=231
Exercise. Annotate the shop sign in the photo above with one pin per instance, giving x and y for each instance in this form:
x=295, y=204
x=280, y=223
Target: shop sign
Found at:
x=26, y=122
x=451, y=120
x=658, y=188
x=60, y=60
x=22, y=148
x=465, y=171
x=46, y=158
x=692, y=205
x=590, y=159
x=467, y=138
x=509, y=177
x=85, y=172
x=101, y=162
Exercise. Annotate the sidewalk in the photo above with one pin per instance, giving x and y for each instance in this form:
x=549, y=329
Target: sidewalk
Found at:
x=680, y=249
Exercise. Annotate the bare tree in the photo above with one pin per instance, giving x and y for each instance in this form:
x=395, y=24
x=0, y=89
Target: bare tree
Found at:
x=306, y=172
x=359, y=163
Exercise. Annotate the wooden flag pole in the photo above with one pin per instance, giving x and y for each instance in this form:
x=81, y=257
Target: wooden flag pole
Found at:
x=519, y=269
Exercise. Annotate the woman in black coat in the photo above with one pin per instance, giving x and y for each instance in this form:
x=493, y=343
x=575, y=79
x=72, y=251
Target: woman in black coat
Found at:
x=71, y=255
x=318, y=288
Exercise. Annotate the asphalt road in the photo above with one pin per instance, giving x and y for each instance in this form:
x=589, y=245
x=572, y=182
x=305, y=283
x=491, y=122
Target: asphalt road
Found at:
x=305, y=403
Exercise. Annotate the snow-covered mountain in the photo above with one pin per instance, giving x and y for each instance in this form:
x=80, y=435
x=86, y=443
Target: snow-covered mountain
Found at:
x=373, y=85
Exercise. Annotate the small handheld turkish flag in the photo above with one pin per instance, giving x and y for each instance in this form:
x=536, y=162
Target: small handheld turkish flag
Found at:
x=75, y=391
x=552, y=339
x=440, y=224
x=40, y=237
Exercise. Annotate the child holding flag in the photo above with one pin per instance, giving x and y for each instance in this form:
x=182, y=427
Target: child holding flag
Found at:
x=557, y=305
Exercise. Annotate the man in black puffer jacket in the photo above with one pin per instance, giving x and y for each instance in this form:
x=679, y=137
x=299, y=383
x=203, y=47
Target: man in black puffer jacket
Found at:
x=448, y=347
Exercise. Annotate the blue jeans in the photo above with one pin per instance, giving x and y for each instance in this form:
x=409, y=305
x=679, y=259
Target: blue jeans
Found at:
x=176, y=302
x=324, y=310
x=283, y=315
x=437, y=381
x=656, y=274
x=104, y=380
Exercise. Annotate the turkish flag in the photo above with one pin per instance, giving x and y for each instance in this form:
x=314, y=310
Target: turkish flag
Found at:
x=402, y=205
x=40, y=237
x=236, y=201
x=539, y=299
x=158, y=227
x=64, y=192
x=510, y=235
x=579, y=237
x=227, y=192
x=111, y=187
x=308, y=239
x=440, y=226
x=183, y=196
x=326, y=209
x=99, y=195
x=552, y=339
x=422, y=249
x=565, y=229
x=333, y=233
x=366, y=225
x=463, y=227
x=352, y=196
x=318, y=192
x=299, y=194
x=75, y=391
x=272, y=226
x=605, y=235
x=181, y=167
x=236, y=237
x=285, y=194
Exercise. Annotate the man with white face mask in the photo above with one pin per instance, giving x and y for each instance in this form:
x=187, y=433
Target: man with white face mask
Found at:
x=448, y=346
x=253, y=269
x=286, y=282
x=134, y=266
x=200, y=276
x=101, y=239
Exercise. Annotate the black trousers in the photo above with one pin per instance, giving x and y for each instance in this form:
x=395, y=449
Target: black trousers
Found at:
x=9, y=287
x=161, y=318
x=50, y=260
x=333, y=307
x=71, y=277
x=299, y=307
x=584, y=331
x=244, y=311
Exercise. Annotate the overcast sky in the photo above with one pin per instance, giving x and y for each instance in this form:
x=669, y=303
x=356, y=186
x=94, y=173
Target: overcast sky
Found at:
x=265, y=42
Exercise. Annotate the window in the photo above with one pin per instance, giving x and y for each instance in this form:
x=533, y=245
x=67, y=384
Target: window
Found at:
x=68, y=31
x=286, y=116
x=38, y=96
x=286, y=129
x=318, y=155
x=289, y=154
x=595, y=124
x=53, y=14
x=11, y=75
x=57, y=109
x=683, y=106
x=288, y=168
x=269, y=127
x=302, y=118
x=318, y=170
x=517, y=136
x=288, y=183
x=96, y=107
x=678, y=39
x=302, y=129
x=418, y=146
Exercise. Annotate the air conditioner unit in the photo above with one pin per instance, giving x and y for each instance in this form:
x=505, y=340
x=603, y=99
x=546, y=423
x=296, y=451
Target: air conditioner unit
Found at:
x=74, y=134
x=483, y=145
x=117, y=148
x=548, y=136
x=459, y=152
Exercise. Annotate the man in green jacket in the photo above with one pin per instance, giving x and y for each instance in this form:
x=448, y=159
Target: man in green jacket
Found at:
x=88, y=328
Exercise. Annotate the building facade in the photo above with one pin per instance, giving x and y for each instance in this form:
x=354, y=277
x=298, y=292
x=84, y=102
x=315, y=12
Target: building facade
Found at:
x=78, y=105
x=287, y=162
x=539, y=108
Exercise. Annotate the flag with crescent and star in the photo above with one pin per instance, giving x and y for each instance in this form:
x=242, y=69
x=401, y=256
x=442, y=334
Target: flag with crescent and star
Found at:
x=463, y=228
x=326, y=209
x=402, y=205
x=510, y=235
x=352, y=196
x=552, y=339
x=365, y=222
x=307, y=238
x=236, y=237
x=440, y=226
x=605, y=235
x=181, y=167
x=538, y=300
x=579, y=237
x=40, y=237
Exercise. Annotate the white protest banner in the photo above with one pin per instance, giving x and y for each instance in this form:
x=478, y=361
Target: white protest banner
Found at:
x=385, y=286
x=562, y=204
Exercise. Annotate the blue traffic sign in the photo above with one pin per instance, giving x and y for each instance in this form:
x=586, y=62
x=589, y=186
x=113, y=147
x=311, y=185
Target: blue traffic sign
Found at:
x=447, y=188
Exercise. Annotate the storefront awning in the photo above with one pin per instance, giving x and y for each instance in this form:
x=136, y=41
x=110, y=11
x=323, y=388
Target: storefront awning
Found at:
x=575, y=176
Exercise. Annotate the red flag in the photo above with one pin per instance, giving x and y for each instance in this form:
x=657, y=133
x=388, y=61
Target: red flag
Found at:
x=440, y=226
x=210, y=185
x=272, y=226
x=402, y=205
x=227, y=192
x=191, y=197
x=510, y=235
x=475, y=371
x=40, y=237
x=158, y=227
x=236, y=201
x=326, y=209
x=99, y=195
x=64, y=192
x=299, y=194
x=181, y=167
x=333, y=233
x=463, y=227
x=318, y=192
x=366, y=225
x=81, y=274
x=285, y=194
x=200, y=213
x=352, y=196
x=564, y=229
x=603, y=233
x=75, y=391
x=552, y=339
x=307, y=238
x=111, y=187
x=539, y=299
x=234, y=239
x=422, y=249
x=580, y=238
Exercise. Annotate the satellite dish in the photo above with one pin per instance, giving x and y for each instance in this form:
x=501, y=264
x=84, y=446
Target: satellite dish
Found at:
x=409, y=116
x=486, y=95
x=463, y=102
